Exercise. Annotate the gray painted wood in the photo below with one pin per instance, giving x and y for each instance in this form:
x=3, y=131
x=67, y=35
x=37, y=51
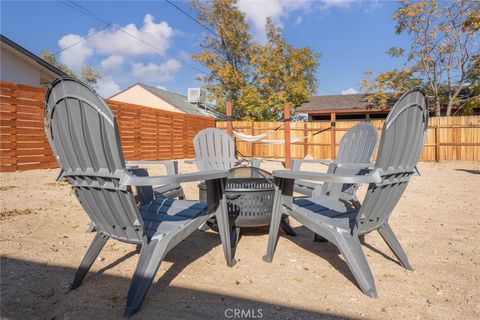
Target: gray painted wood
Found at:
x=215, y=150
x=356, y=146
x=83, y=134
x=400, y=147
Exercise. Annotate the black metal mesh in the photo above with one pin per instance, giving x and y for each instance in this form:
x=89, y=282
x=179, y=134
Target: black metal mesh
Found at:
x=250, y=193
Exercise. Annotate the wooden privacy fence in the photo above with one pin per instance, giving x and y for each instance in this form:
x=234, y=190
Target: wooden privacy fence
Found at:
x=448, y=138
x=146, y=133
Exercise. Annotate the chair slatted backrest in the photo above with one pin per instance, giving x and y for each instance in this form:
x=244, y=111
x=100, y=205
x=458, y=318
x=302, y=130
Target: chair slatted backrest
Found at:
x=214, y=150
x=356, y=146
x=400, y=148
x=83, y=134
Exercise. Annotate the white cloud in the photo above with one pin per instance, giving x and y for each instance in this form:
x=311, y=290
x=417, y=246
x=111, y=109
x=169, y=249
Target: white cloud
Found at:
x=110, y=50
x=116, y=41
x=106, y=87
x=161, y=87
x=350, y=91
x=299, y=20
x=112, y=62
x=75, y=56
x=257, y=12
x=337, y=3
x=156, y=72
x=117, y=44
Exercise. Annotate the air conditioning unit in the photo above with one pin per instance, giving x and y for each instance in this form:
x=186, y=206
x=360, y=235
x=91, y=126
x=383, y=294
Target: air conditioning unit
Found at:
x=196, y=95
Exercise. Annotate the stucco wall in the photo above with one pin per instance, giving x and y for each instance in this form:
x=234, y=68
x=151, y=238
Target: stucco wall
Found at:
x=18, y=70
x=140, y=96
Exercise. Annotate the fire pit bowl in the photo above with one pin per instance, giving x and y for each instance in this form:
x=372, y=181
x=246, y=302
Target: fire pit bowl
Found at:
x=249, y=193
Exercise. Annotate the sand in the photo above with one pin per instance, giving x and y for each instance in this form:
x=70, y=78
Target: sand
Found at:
x=43, y=239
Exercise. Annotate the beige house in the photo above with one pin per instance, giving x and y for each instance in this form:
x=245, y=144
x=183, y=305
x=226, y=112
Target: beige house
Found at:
x=147, y=96
x=19, y=65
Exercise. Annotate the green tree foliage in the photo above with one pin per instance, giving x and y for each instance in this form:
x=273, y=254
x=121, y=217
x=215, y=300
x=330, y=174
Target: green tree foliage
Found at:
x=228, y=53
x=88, y=74
x=444, y=38
x=285, y=74
x=258, y=79
x=473, y=80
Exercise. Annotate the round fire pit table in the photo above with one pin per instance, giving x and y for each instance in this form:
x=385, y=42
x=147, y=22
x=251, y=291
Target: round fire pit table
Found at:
x=249, y=192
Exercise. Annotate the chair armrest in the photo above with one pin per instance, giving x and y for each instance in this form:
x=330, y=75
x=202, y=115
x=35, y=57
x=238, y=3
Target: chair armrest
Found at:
x=128, y=179
x=170, y=165
x=356, y=166
x=296, y=164
x=373, y=177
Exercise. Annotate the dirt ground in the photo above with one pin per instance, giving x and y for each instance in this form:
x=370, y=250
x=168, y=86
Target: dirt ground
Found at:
x=43, y=239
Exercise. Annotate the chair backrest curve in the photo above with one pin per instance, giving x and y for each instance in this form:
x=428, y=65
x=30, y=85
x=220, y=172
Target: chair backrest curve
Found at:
x=400, y=147
x=214, y=150
x=356, y=146
x=83, y=134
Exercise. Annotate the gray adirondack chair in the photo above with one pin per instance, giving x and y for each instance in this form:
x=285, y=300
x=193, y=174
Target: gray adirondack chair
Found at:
x=172, y=190
x=83, y=134
x=356, y=148
x=340, y=222
x=215, y=150
x=355, y=155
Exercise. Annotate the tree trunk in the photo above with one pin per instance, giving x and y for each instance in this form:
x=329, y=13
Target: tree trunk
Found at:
x=437, y=108
x=449, y=108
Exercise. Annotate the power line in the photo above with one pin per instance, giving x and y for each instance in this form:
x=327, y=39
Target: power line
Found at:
x=192, y=18
x=91, y=14
x=86, y=11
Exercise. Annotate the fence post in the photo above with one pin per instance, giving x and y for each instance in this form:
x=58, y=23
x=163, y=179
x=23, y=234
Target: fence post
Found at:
x=333, y=120
x=305, y=144
x=437, y=142
x=229, y=118
x=286, y=119
x=253, y=133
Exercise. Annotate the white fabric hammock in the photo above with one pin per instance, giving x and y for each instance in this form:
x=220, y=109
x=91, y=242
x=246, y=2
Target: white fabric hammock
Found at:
x=250, y=138
x=261, y=137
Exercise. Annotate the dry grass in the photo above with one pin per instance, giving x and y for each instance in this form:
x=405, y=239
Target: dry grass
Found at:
x=5, y=188
x=14, y=213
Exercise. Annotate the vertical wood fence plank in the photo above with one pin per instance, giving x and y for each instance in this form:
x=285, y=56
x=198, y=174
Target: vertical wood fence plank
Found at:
x=288, y=147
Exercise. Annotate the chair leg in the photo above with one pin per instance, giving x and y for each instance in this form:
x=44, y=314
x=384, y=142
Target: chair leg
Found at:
x=235, y=235
x=349, y=245
x=182, y=195
x=287, y=228
x=224, y=230
x=92, y=253
x=274, y=226
x=387, y=234
x=151, y=255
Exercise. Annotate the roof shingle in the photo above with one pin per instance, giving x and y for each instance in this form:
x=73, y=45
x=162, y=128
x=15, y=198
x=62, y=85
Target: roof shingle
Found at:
x=337, y=102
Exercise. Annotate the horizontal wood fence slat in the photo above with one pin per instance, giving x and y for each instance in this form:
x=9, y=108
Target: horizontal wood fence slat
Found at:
x=448, y=138
x=152, y=134
x=146, y=133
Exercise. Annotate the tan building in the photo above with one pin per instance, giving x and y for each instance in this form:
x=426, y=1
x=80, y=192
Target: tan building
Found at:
x=147, y=96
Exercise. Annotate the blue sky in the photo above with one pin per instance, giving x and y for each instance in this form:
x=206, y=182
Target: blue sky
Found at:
x=352, y=36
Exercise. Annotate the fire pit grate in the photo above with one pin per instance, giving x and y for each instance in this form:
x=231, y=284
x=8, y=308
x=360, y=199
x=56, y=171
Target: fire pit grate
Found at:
x=250, y=192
